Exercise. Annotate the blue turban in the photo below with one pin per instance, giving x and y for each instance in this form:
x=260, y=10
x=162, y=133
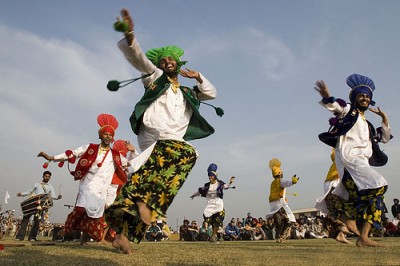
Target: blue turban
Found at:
x=360, y=84
x=212, y=170
x=212, y=167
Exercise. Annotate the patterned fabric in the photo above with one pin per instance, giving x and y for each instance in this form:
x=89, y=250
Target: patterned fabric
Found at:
x=332, y=222
x=94, y=227
x=362, y=205
x=216, y=220
x=282, y=225
x=156, y=183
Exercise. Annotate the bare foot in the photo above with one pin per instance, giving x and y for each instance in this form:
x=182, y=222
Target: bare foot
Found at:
x=343, y=228
x=366, y=242
x=352, y=226
x=341, y=237
x=121, y=243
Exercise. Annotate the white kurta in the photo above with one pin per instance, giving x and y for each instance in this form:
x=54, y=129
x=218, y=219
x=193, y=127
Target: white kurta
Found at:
x=214, y=203
x=168, y=116
x=95, y=188
x=320, y=202
x=353, y=151
x=276, y=205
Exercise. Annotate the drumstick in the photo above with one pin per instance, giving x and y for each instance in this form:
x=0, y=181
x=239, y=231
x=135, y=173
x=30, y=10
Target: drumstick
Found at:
x=59, y=190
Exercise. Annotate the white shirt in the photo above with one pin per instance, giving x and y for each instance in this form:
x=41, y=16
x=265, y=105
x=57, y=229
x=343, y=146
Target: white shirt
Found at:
x=95, y=188
x=353, y=151
x=41, y=188
x=168, y=116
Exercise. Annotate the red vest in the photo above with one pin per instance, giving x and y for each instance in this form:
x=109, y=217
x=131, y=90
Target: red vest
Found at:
x=89, y=157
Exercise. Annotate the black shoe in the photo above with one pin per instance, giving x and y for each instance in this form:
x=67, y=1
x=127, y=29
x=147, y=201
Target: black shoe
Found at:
x=32, y=239
x=19, y=239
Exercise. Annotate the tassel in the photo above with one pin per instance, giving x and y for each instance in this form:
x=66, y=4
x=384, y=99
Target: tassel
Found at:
x=114, y=85
x=60, y=164
x=71, y=156
x=218, y=110
x=121, y=26
x=46, y=164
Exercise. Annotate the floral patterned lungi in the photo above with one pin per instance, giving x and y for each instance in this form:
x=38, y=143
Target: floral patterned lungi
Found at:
x=156, y=183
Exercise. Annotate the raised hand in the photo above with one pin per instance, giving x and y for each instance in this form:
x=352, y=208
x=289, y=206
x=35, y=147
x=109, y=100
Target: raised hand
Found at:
x=322, y=88
x=44, y=155
x=382, y=114
x=191, y=74
x=126, y=17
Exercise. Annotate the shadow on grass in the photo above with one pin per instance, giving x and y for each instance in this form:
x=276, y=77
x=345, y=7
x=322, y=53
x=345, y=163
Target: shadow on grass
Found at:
x=59, y=254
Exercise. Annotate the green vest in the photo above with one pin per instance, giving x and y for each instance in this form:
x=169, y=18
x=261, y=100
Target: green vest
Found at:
x=198, y=127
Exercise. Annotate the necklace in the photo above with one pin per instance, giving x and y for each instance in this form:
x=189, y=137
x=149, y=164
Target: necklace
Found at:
x=101, y=149
x=174, y=85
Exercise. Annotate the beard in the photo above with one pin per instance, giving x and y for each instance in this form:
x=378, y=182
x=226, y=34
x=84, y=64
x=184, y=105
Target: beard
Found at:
x=362, y=108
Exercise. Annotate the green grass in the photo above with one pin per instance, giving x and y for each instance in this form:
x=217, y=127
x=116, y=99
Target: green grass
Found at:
x=293, y=252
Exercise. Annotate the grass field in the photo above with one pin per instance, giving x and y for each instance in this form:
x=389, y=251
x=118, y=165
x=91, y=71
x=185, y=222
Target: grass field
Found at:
x=172, y=252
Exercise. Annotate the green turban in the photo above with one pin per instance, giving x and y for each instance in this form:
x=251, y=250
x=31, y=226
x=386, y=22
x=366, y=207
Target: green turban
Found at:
x=155, y=55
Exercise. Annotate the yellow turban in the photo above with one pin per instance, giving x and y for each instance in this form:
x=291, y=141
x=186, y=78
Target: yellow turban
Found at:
x=275, y=166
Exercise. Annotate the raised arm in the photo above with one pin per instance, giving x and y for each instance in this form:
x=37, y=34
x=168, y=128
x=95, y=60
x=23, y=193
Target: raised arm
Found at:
x=322, y=88
x=133, y=52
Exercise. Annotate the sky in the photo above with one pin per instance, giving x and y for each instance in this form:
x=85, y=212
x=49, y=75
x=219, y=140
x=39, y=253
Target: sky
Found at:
x=263, y=57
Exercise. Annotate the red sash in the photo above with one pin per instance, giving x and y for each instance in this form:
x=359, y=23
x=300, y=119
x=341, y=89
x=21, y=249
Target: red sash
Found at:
x=89, y=157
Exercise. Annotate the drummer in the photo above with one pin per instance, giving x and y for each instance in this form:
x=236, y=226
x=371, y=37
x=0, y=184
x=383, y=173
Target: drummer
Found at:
x=43, y=187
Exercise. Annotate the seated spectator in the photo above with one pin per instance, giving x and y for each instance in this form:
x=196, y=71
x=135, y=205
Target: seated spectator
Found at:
x=247, y=233
x=184, y=231
x=389, y=229
x=205, y=232
x=166, y=232
x=153, y=232
x=194, y=230
x=396, y=220
x=254, y=222
x=307, y=226
x=298, y=230
x=317, y=229
x=248, y=219
x=259, y=233
x=232, y=232
x=269, y=228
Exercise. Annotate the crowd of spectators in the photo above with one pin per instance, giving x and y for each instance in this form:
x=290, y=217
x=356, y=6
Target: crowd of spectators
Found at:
x=245, y=229
x=253, y=229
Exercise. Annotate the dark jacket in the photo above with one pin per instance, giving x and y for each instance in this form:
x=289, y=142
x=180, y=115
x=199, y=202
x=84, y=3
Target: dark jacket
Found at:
x=220, y=189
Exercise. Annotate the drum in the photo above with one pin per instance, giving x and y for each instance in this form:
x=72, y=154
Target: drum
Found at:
x=36, y=203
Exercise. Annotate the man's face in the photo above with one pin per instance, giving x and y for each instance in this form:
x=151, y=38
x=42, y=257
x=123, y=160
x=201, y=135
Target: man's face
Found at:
x=46, y=178
x=362, y=101
x=106, y=138
x=168, y=65
x=212, y=178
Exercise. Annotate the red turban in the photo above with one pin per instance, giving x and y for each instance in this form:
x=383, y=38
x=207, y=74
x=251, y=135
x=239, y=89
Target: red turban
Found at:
x=107, y=123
